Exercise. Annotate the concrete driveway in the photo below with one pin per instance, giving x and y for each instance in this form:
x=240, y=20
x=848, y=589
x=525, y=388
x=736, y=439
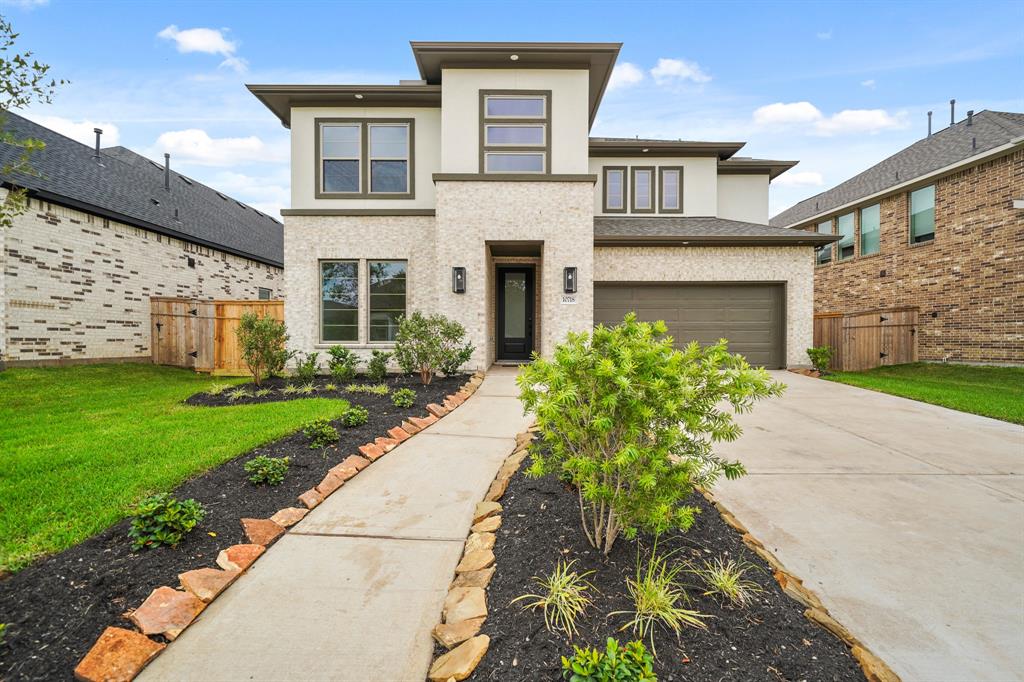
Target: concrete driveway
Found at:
x=906, y=518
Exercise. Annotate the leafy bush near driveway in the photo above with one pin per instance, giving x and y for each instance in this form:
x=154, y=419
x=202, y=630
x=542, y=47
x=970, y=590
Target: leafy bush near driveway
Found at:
x=307, y=366
x=820, y=357
x=403, y=397
x=725, y=578
x=428, y=345
x=377, y=367
x=162, y=519
x=267, y=470
x=341, y=363
x=631, y=421
x=320, y=433
x=355, y=415
x=631, y=663
x=262, y=342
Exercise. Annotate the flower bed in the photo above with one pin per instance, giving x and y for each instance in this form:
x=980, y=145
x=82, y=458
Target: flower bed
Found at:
x=277, y=390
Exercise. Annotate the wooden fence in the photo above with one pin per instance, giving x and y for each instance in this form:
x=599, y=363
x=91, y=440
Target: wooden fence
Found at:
x=201, y=335
x=868, y=339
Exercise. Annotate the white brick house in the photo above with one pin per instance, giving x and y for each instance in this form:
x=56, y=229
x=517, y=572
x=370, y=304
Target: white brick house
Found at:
x=477, y=192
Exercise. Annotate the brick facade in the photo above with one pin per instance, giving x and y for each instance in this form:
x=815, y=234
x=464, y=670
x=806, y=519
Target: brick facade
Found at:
x=76, y=287
x=968, y=282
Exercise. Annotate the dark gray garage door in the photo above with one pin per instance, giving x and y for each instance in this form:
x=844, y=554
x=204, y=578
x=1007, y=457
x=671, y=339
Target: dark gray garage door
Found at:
x=750, y=316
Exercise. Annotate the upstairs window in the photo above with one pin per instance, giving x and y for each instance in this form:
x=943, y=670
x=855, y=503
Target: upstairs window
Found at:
x=614, y=190
x=643, y=189
x=367, y=159
x=389, y=158
x=846, y=248
x=870, y=229
x=671, y=182
x=515, y=128
x=824, y=253
x=341, y=157
x=922, y=215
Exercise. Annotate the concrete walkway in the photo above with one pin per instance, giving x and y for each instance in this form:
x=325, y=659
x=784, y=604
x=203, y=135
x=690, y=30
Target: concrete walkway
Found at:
x=353, y=590
x=906, y=518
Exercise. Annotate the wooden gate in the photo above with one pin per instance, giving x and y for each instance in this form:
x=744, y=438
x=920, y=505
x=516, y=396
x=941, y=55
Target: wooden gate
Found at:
x=868, y=339
x=201, y=335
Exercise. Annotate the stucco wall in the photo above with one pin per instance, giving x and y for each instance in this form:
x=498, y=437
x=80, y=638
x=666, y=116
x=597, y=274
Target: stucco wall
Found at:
x=700, y=182
x=793, y=265
x=743, y=197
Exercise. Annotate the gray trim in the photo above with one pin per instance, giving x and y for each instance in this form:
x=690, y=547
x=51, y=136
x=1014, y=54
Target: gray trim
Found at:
x=514, y=177
x=746, y=166
x=364, y=161
x=546, y=121
x=281, y=99
x=356, y=211
x=632, y=184
x=604, y=189
x=661, y=193
x=612, y=147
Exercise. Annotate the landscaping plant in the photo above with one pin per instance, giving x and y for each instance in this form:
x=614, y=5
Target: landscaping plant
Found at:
x=330, y=387
x=267, y=470
x=629, y=664
x=428, y=345
x=375, y=389
x=262, y=392
x=403, y=397
x=262, y=342
x=564, y=596
x=320, y=433
x=307, y=366
x=355, y=416
x=307, y=389
x=290, y=389
x=162, y=519
x=341, y=363
x=237, y=394
x=377, y=367
x=630, y=422
x=725, y=578
x=217, y=389
x=820, y=357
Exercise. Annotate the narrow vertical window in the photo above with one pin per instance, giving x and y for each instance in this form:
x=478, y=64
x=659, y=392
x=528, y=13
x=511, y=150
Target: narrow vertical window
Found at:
x=389, y=158
x=340, y=157
x=824, y=252
x=671, y=181
x=614, y=190
x=387, y=298
x=339, y=301
x=922, y=215
x=870, y=230
x=845, y=224
x=643, y=190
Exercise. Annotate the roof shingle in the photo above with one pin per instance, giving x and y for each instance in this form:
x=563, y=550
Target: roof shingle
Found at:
x=695, y=230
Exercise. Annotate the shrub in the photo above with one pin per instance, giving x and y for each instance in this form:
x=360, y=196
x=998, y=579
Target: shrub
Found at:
x=320, y=433
x=428, y=345
x=355, y=416
x=820, y=357
x=290, y=389
x=404, y=397
x=375, y=389
x=3, y=631
x=217, y=389
x=307, y=389
x=262, y=392
x=377, y=367
x=307, y=366
x=262, y=342
x=237, y=394
x=341, y=363
x=268, y=470
x=330, y=387
x=564, y=596
x=726, y=579
x=629, y=664
x=163, y=520
x=631, y=421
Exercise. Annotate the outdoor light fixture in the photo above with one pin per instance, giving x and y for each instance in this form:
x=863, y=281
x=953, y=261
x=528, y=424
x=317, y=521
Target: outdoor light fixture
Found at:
x=569, y=280
x=514, y=57
x=459, y=280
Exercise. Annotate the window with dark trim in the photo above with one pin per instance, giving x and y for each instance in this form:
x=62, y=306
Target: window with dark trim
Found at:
x=670, y=183
x=922, y=214
x=387, y=299
x=515, y=131
x=339, y=301
x=845, y=225
x=264, y=294
x=613, y=191
x=870, y=229
x=823, y=253
x=642, y=189
x=365, y=158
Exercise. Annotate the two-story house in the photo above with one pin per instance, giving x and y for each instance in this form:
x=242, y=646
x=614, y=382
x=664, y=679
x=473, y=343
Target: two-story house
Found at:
x=477, y=192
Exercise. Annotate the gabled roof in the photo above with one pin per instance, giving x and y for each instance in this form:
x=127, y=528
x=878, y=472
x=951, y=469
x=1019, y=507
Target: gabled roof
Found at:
x=959, y=144
x=125, y=186
x=698, y=230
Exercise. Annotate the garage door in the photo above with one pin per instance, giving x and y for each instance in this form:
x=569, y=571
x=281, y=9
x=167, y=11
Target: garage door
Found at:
x=750, y=316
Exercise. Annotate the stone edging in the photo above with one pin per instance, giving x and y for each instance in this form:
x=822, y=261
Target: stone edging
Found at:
x=873, y=667
x=465, y=606
x=121, y=654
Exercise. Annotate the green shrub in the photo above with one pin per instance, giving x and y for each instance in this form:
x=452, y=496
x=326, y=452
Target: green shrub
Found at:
x=727, y=579
x=262, y=342
x=821, y=357
x=237, y=394
x=629, y=664
x=377, y=367
x=330, y=387
x=307, y=366
x=564, y=596
x=267, y=470
x=3, y=631
x=290, y=389
x=320, y=433
x=163, y=520
x=404, y=397
x=428, y=345
x=342, y=363
x=262, y=392
x=217, y=389
x=354, y=416
x=631, y=421
x=307, y=389
x=375, y=389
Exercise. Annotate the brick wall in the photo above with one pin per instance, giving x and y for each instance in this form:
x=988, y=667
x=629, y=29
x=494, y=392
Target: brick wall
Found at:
x=76, y=286
x=968, y=282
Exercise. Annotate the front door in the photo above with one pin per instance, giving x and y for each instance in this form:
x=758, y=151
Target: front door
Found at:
x=515, y=313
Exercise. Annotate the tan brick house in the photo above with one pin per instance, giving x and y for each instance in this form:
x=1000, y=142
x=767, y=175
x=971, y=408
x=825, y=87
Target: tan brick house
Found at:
x=106, y=229
x=476, y=191
x=938, y=225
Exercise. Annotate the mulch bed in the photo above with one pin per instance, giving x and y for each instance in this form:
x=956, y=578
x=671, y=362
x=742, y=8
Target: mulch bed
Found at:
x=57, y=607
x=276, y=386
x=769, y=639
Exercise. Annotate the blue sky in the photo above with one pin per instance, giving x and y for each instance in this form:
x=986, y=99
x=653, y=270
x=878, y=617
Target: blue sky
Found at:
x=838, y=86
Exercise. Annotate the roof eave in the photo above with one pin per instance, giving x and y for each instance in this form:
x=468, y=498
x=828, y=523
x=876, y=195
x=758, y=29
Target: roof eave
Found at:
x=811, y=239
x=616, y=148
x=281, y=98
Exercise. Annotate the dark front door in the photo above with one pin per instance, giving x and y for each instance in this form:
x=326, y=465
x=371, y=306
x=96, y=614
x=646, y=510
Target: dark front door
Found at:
x=515, y=313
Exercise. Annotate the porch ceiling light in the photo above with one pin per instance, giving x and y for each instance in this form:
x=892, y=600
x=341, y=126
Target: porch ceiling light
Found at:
x=569, y=280
x=514, y=57
x=458, y=280
x=358, y=96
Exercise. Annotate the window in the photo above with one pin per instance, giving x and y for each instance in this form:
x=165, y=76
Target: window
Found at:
x=515, y=128
x=339, y=300
x=922, y=215
x=846, y=247
x=614, y=190
x=870, y=226
x=265, y=294
x=671, y=181
x=389, y=158
x=824, y=253
x=643, y=190
x=341, y=157
x=366, y=159
x=387, y=298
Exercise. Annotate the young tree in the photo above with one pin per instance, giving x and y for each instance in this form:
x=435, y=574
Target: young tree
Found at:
x=427, y=345
x=262, y=341
x=631, y=422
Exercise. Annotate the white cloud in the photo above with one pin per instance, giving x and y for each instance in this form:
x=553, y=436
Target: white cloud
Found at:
x=206, y=41
x=625, y=75
x=81, y=131
x=869, y=83
x=845, y=122
x=780, y=114
x=825, y=35
x=669, y=71
x=24, y=4
x=195, y=146
x=800, y=179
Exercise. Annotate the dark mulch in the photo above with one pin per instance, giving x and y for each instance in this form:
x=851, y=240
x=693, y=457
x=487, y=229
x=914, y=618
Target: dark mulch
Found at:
x=57, y=607
x=276, y=385
x=768, y=640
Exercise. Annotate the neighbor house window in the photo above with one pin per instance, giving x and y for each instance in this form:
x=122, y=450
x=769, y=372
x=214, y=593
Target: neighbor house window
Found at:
x=824, y=252
x=922, y=215
x=387, y=298
x=367, y=159
x=870, y=229
x=389, y=158
x=515, y=130
x=339, y=300
x=670, y=179
x=643, y=190
x=264, y=294
x=614, y=190
x=845, y=224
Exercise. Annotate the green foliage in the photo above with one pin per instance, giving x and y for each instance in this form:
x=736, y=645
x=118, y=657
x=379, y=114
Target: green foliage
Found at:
x=375, y=389
x=237, y=394
x=564, y=596
x=262, y=392
x=262, y=342
x=290, y=389
x=629, y=664
x=404, y=397
x=377, y=367
x=307, y=366
x=217, y=389
x=341, y=363
x=267, y=470
x=820, y=357
x=320, y=433
x=354, y=416
x=162, y=519
x=726, y=579
x=307, y=389
x=631, y=422
x=330, y=387
x=3, y=631
x=428, y=345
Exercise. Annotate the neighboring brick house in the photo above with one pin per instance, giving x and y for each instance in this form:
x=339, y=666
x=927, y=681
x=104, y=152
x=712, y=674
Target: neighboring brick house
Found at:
x=940, y=226
x=477, y=192
x=106, y=229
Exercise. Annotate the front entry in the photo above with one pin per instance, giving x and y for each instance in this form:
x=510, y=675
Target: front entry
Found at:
x=514, y=332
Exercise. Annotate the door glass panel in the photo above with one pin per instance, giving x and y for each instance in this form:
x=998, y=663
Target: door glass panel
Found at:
x=515, y=305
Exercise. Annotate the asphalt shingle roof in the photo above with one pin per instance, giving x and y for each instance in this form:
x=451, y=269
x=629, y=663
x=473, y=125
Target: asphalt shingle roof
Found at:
x=699, y=229
x=988, y=130
x=129, y=187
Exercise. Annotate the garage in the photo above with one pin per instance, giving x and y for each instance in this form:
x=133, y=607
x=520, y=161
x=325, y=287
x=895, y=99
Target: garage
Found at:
x=751, y=316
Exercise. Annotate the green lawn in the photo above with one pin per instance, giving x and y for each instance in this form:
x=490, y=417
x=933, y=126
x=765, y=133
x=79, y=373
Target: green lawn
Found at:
x=996, y=392
x=79, y=445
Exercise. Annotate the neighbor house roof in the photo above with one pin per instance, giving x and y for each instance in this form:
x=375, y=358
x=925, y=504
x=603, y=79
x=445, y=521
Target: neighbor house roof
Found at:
x=127, y=187
x=697, y=230
x=966, y=142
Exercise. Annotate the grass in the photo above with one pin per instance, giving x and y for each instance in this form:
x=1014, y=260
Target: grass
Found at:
x=996, y=392
x=80, y=445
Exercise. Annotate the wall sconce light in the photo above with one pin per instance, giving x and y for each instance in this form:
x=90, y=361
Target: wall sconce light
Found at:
x=459, y=280
x=569, y=280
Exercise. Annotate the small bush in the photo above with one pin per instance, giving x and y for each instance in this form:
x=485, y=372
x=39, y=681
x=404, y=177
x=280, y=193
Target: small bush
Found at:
x=341, y=363
x=262, y=392
x=163, y=520
x=375, y=389
x=267, y=470
x=377, y=367
x=725, y=579
x=307, y=389
x=330, y=387
x=355, y=416
x=290, y=389
x=404, y=397
x=237, y=394
x=564, y=596
x=428, y=345
x=3, y=631
x=320, y=433
x=821, y=357
x=217, y=389
x=307, y=366
x=262, y=342
x=629, y=664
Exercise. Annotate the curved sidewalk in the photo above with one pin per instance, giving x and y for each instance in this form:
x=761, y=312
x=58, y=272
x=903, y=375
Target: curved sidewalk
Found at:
x=352, y=591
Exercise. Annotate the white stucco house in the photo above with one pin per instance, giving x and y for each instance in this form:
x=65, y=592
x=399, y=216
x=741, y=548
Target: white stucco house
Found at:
x=478, y=192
